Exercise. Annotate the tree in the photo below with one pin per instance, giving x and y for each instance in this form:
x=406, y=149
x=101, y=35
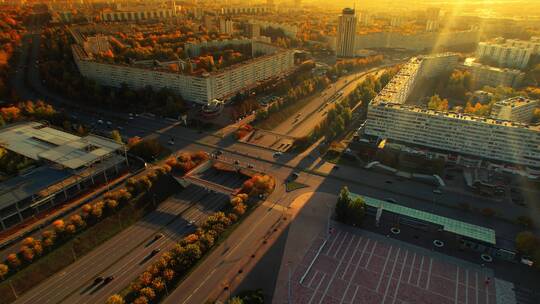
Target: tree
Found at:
x=115, y=299
x=13, y=261
x=4, y=269
x=527, y=242
x=115, y=135
x=141, y=300
x=235, y=300
x=437, y=104
x=342, y=204
x=148, y=293
x=356, y=211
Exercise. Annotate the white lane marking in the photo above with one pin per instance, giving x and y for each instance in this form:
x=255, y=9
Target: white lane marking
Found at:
x=313, y=278
x=355, y=269
x=354, y=294
x=384, y=268
x=399, y=279
x=371, y=255
x=429, y=273
x=412, y=268
x=476, y=284
x=352, y=257
x=317, y=288
x=335, y=272
x=390, y=276
x=340, y=244
x=466, y=286
x=457, y=286
x=420, y=272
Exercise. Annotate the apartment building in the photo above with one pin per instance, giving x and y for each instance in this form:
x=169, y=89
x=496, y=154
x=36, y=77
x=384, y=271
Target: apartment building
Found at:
x=137, y=14
x=226, y=26
x=516, y=109
x=199, y=88
x=252, y=10
x=505, y=54
x=485, y=75
x=494, y=139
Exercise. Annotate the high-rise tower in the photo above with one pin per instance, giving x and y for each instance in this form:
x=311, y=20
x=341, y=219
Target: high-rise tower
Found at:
x=346, y=33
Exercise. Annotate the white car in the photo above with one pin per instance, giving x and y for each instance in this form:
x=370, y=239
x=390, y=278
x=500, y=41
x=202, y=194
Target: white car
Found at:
x=100, y=122
x=277, y=154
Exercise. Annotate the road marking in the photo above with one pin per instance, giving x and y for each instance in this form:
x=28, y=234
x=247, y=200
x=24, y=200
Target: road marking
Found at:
x=332, y=244
x=476, y=284
x=457, y=286
x=466, y=286
x=355, y=292
x=313, y=278
x=390, y=276
x=317, y=288
x=371, y=255
x=339, y=247
x=399, y=279
x=384, y=267
x=429, y=273
x=412, y=268
x=354, y=272
x=352, y=257
x=420, y=272
x=335, y=272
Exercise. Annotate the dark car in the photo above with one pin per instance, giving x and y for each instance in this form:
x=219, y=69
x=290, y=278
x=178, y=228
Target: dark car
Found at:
x=155, y=251
x=158, y=236
x=108, y=279
x=98, y=280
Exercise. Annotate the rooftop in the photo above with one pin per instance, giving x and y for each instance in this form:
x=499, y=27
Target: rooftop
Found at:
x=516, y=101
x=464, y=229
x=38, y=141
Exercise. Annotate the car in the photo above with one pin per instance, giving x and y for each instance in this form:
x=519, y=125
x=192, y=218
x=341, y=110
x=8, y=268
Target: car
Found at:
x=98, y=280
x=155, y=251
x=388, y=181
x=236, y=162
x=437, y=191
x=171, y=142
x=131, y=118
x=158, y=236
x=391, y=200
x=100, y=121
x=108, y=279
x=109, y=123
x=191, y=223
x=293, y=176
x=277, y=154
x=218, y=152
x=250, y=166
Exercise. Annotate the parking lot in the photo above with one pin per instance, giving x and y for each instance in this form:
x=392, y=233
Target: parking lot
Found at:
x=354, y=266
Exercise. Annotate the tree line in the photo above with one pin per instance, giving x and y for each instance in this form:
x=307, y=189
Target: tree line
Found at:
x=89, y=214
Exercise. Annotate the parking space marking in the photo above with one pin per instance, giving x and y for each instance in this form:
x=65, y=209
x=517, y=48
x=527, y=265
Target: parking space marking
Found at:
x=399, y=279
x=312, y=278
x=317, y=288
x=355, y=292
x=476, y=284
x=457, y=286
x=339, y=246
x=384, y=268
x=391, y=275
x=335, y=272
x=333, y=241
x=412, y=268
x=429, y=273
x=466, y=286
x=352, y=257
x=356, y=269
x=370, y=255
x=420, y=272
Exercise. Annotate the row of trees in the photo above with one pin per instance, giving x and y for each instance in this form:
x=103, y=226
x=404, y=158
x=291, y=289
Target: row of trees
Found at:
x=164, y=274
x=242, y=131
x=348, y=210
x=348, y=66
x=89, y=214
x=186, y=161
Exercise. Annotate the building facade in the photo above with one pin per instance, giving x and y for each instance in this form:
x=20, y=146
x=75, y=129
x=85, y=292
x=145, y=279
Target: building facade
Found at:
x=346, y=33
x=486, y=138
x=226, y=26
x=503, y=54
x=517, y=109
x=137, y=14
x=196, y=88
x=484, y=75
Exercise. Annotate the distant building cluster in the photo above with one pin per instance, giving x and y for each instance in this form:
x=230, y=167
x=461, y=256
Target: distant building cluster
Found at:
x=508, y=53
x=504, y=137
x=485, y=75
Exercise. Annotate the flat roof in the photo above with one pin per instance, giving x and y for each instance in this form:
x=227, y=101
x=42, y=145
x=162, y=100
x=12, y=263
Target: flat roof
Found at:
x=471, y=231
x=38, y=141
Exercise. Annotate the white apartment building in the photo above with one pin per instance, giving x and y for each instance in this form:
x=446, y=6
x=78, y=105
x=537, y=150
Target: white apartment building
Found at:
x=196, y=88
x=365, y=18
x=504, y=54
x=137, y=14
x=226, y=26
x=484, y=75
x=397, y=21
x=494, y=139
x=288, y=29
x=346, y=33
x=96, y=44
x=253, y=10
x=533, y=43
x=517, y=109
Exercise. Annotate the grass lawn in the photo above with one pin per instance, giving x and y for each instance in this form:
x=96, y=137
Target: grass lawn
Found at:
x=291, y=186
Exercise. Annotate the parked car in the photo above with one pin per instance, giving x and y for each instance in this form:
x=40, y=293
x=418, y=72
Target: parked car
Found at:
x=98, y=280
x=155, y=251
x=437, y=191
x=277, y=154
x=108, y=279
x=158, y=236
